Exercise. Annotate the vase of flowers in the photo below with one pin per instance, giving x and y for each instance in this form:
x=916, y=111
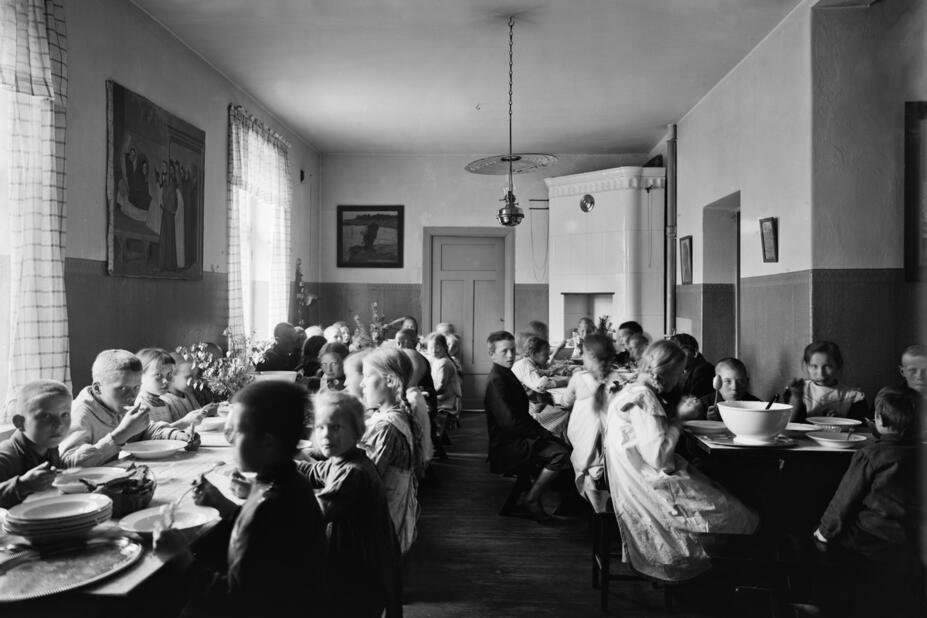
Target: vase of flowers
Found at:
x=373, y=335
x=224, y=375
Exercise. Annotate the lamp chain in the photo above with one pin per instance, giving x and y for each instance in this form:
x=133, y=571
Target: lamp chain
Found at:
x=511, y=64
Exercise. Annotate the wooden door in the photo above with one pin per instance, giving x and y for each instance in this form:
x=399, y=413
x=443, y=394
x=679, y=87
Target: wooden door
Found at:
x=468, y=289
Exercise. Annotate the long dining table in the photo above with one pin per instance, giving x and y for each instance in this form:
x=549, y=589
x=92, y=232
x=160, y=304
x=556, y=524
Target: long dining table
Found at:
x=126, y=592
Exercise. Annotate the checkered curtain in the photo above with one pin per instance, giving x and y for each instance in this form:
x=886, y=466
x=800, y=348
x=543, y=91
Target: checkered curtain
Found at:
x=258, y=187
x=33, y=73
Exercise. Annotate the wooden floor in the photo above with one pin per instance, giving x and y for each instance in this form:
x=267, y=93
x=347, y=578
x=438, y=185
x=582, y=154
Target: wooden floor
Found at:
x=469, y=561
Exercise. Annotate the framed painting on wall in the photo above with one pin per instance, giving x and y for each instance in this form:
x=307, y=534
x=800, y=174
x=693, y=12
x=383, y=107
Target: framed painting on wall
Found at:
x=685, y=259
x=154, y=189
x=370, y=236
x=769, y=236
x=915, y=190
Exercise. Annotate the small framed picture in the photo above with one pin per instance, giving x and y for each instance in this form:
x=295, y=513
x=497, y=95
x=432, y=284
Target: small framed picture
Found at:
x=769, y=234
x=685, y=259
x=370, y=236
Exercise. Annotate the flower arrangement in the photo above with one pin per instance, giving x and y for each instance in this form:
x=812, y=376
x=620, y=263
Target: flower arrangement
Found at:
x=226, y=374
x=374, y=334
x=604, y=325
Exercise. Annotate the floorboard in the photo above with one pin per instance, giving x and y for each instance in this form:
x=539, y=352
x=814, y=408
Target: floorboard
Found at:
x=469, y=561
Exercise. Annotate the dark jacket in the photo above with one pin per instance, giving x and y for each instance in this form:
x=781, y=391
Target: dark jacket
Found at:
x=876, y=509
x=512, y=431
x=699, y=378
x=276, y=557
x=17, y=456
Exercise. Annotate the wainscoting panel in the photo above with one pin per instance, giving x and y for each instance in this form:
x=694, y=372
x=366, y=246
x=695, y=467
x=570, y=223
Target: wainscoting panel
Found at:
x=132, y=313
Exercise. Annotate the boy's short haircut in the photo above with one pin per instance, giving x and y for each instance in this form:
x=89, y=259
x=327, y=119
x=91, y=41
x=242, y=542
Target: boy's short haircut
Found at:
x=354, y=362
x=632, y=326
x=915, y=350
x=112, y=362
x=349, y=405
x=149, y=356
x=338, y=349
x=284, y=329
x=589, y=322
x=635, y=337
x=499, y=335
x=535, y=344
x=538, y=328
x=898, y=409
x=823, y=347
x=685, y=341
x=731, y=363
x=33, y=396
x=278, y=409
x=407, y=338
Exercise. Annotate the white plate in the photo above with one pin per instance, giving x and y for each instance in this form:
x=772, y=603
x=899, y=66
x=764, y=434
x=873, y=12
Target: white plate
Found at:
x=59, y=507
x=836, y=439
x=803, y=427
x=185, y=518
x=67, y=482
x=705, y=428
x=213, y=423
x=833, y=421
x=154, y=449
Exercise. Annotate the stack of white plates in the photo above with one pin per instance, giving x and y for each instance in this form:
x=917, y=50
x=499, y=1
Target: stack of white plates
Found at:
x=59, y=517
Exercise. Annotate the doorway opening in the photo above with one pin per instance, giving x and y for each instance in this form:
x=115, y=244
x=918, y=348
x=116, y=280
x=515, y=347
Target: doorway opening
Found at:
x=721, y=294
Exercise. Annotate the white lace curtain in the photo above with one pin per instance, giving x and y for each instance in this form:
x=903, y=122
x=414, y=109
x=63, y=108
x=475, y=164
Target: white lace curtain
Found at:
x=259, y=201
x=33, y=76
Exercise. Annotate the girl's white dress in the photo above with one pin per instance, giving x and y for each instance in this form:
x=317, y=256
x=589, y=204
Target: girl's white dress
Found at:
x=661, y=503
x=585, y=427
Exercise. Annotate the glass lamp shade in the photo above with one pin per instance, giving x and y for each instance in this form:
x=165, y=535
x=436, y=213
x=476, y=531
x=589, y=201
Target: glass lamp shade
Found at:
x=510, y=215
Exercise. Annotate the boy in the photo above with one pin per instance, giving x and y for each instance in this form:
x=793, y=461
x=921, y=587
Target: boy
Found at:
x=517, y=442
x=914, y=370
x=275, y=541
x=872, y=521
x=623, y=334
x=105, y=415
x=28, y=458
x=732, y=375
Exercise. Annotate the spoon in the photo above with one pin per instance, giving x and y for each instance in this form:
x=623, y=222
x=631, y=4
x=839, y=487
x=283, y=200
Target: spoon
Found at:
x=173, y=506
x=772, y=401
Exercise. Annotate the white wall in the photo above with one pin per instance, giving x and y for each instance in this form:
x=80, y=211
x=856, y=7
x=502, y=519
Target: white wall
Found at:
x=112, y=39
x=436, y=190
x=867, y=63
x=752, y=133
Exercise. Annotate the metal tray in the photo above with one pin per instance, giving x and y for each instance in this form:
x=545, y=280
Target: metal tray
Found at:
x=32, y=574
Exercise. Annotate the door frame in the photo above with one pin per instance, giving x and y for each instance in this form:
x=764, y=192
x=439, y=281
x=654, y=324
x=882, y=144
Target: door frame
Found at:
x=428, y=234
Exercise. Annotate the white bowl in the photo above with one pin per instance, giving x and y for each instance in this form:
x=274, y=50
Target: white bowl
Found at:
x=283, y=376
x=154, y=449
x=833, y=423
x=837, y=439
x=213, y=423
x=185, y=518
x=752, y=423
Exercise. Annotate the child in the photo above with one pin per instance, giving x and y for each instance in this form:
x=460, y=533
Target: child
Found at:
x=822, y=394
x=180, y=399
x=157, y=377
x=446, y=382
x=453, y=352
x=531, y=371
x=106, y=415
x=588, y=396
x=393, y=439
x=363, y=552
x=28, y=458
x=637, y=344
x=873, y=519
x=584, y=327
x=353, y=367
x=275, y=541
x=913, y=369
x=732, y=375
x=331, y=357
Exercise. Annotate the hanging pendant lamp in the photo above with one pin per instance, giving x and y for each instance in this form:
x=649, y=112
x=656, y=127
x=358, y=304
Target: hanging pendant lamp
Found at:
x=510, y=214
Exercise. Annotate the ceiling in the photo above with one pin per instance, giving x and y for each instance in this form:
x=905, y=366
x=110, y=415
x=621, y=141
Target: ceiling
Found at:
x=431, y=76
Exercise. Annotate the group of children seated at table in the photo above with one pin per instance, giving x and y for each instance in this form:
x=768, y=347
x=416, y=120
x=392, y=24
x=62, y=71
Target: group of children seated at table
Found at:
x=371, y=444
x=621, y=415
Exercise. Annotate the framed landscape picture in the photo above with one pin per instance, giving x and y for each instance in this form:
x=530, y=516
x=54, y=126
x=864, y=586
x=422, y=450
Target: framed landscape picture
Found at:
x=370, y=236
x=154, y=189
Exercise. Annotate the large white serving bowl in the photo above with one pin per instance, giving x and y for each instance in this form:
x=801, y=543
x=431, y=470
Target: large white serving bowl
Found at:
x=283, y=376
x=752, y=423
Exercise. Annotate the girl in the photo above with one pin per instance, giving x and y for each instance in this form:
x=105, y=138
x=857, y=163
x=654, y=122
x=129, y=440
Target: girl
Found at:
x=181, y=402
x=662, y=505
x=331, y=357
x=531, y=370
x=584, y=327
x=588, y=395
x=353, y=367
x=821, y=394
x=363, y=552
x=446, y=382
x=393, y=439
